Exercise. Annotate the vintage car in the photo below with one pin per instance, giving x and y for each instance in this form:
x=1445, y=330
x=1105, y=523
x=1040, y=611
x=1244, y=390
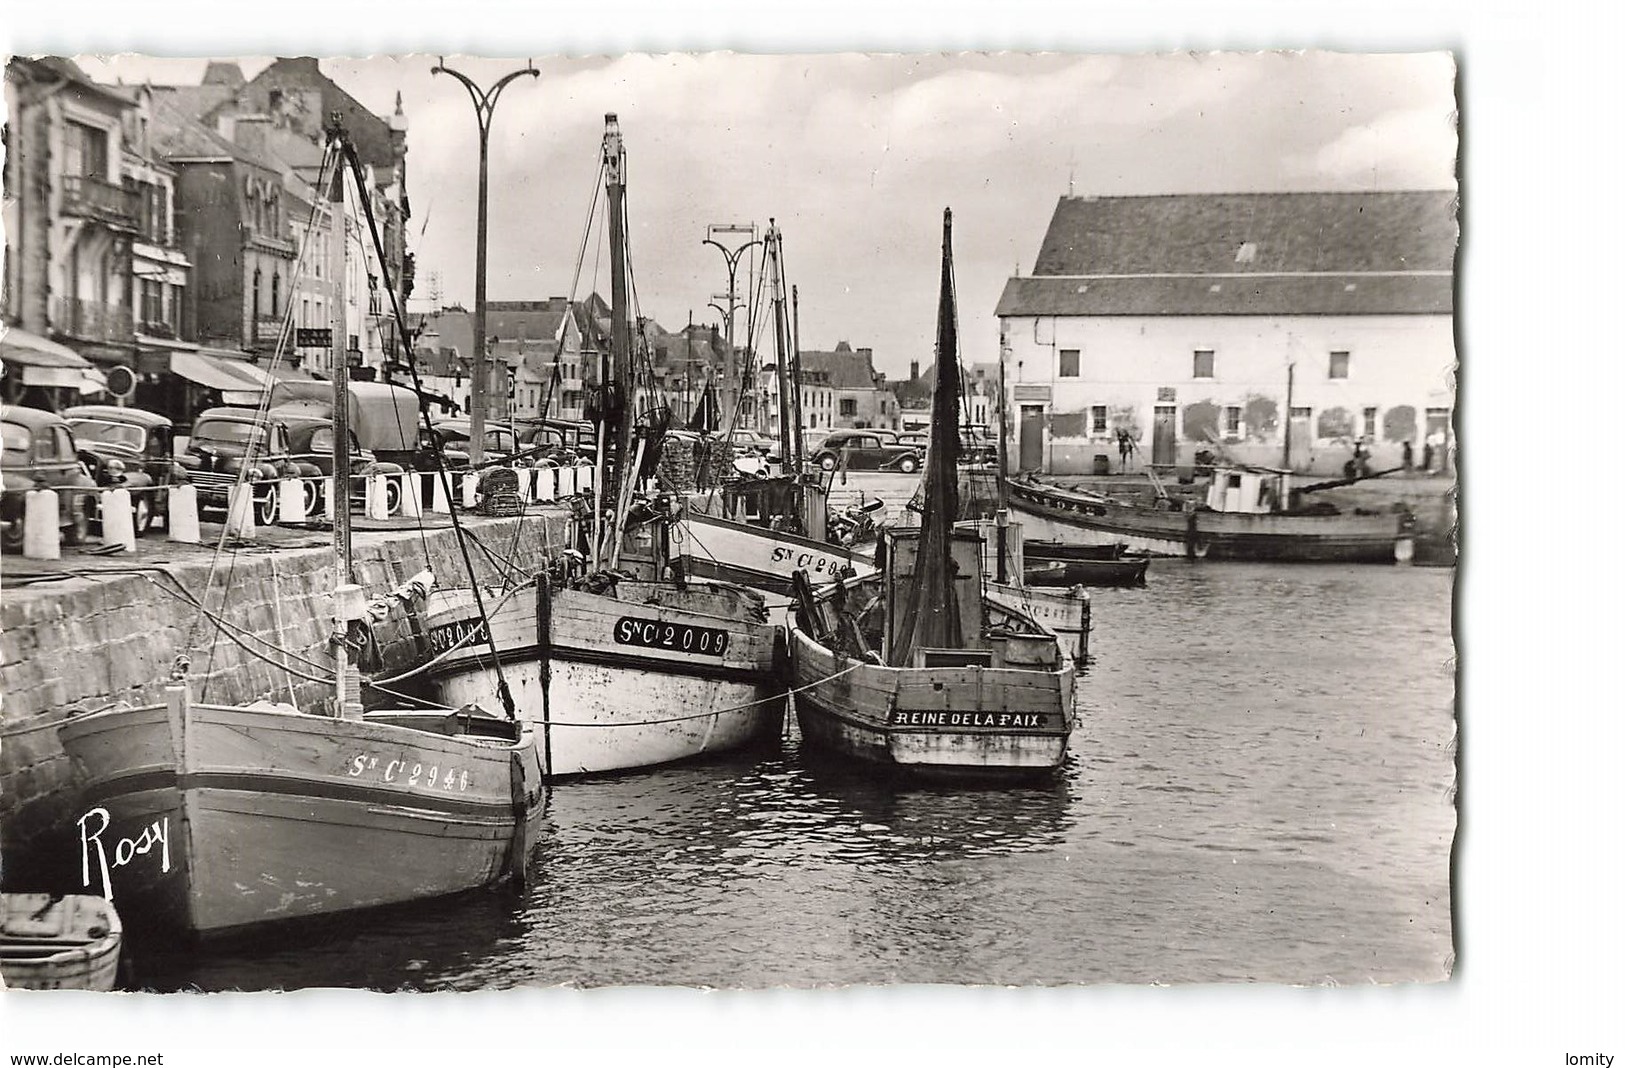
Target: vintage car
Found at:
x=310, y=441
x=866, y=450
x=131, y=449
x=501, y=443
x=383, y=417
x=40, y=453
x=555, y=441
x=228, y=443
x=976, y=447
x=754, y=443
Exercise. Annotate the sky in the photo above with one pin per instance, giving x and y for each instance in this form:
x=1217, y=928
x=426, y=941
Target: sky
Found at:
x=855, y=156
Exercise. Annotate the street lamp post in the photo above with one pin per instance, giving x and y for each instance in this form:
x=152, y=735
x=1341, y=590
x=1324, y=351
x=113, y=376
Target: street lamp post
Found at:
x=485, y=102
x=730, y=361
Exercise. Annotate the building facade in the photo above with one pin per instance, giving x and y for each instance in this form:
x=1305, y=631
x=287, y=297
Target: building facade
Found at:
x=840, y=388
x=1277, y=329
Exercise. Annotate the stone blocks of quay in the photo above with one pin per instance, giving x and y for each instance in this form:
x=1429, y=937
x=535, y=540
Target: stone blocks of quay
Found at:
x=83, y=643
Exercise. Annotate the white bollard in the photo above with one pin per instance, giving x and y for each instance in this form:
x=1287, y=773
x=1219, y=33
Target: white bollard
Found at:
x=547, y=483
x=118, y=522
x=290, y=501
x=440, y=495
x=584, y=477
x=42, y=529
x=567, y=482
x=411, y=495
x=329, y=499
x=377, y=496
x=471, y=488
x=527, y=483
x=240, y=511
x=181, y=521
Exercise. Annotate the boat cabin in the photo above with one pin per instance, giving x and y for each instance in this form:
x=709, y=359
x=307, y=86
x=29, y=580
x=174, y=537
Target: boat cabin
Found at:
x=1250, y=490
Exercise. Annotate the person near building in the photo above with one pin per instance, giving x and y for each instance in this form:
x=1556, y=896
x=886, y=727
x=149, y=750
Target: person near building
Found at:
x=1125, y=445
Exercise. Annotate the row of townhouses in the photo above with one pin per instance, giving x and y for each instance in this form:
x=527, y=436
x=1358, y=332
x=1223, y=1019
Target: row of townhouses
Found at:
x=179, y=233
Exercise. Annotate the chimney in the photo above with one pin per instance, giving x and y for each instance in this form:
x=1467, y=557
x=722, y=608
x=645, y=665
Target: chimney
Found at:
x=914, y=370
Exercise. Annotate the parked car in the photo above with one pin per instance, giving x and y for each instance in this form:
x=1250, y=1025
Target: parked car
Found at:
x=128, y=448
x=866, y=450
x=39, y=452
x=751, y=442
x=227, y=441
x=501, y=442
x=383, y=417
x=976, y=447
x=310, y=441
x=554, y=441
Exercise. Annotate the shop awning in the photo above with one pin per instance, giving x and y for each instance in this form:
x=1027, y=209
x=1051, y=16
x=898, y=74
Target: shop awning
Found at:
x=42, y=362
x=215, y=372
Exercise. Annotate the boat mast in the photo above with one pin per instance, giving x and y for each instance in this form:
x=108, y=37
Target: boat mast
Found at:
x=795, y=356
x=1001, y=514
x=931, y=617
x=348, y=598
x=788, y=400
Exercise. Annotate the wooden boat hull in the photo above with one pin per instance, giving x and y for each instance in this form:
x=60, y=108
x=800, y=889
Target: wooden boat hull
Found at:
x=1049, y=514
x=971, y=722
x=715, y=548
x=227, y=817
x=1065, y=612
x=67, y=943
x=628, y=684
x=1051, y=573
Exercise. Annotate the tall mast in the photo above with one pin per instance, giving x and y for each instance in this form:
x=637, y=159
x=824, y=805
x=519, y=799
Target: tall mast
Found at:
x=347, y=681
x=1001, y=514
x=795, y=356
x=931, y=617
x=788, y=398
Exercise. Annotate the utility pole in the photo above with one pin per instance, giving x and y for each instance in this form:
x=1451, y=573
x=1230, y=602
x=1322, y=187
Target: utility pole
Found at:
x=485, y=102
x=730, y=361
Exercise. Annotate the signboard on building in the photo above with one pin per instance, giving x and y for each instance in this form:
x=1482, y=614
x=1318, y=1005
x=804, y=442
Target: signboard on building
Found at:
x=313, y=337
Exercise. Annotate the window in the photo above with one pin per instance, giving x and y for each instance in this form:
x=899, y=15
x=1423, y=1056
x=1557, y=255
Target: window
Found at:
x=1301, y=413
x=1069, y=363
x=152, y=302
x=1202, y=364
x=1232, y=421
x=86, y=151
x=1370, y=421
x=1097, y=419
x=1338, y=366
x=849, y=407
x=276, y=295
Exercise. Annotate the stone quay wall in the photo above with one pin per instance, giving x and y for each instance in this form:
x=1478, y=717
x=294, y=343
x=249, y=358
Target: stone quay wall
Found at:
x=86, y=642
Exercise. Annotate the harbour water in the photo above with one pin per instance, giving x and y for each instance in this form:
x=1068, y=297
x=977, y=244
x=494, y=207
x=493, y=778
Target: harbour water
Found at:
x=1261, y=788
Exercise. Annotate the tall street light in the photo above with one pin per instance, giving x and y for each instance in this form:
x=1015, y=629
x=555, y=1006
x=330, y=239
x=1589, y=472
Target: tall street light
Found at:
x=485, y=102
x=730, y=361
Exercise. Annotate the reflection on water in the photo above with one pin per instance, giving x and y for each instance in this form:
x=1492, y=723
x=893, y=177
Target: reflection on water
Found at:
x=1261, y=788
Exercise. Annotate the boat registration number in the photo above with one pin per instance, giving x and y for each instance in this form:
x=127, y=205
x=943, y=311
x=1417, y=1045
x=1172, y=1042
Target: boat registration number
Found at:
x=408, y=772
x=448, y=636
x=678, y=637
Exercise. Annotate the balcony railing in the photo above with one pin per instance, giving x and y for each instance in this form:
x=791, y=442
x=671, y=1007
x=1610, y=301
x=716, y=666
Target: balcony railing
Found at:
x=93, y=198
x=92, y=320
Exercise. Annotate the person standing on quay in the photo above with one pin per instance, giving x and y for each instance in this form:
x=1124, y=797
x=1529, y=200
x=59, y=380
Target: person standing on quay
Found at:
x=1124, y=446
x=1406, y=456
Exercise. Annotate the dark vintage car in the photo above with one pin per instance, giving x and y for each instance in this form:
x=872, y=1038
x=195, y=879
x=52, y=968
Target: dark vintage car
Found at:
x=976, y=447
x=131, y=449
x=226, y=443
x=555, y=441
x=383, y=417
x=501, y=442
x=310, y=442
x=866, y=450
x=754, y=443
x=40, y=453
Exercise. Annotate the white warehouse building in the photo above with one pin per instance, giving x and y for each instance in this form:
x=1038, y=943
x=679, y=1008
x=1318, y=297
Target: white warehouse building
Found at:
x=1270, y=328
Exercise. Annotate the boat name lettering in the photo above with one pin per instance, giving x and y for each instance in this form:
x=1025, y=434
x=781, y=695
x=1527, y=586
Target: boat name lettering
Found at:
x=127, y=849
x=678, y=637
x=447, y=636
x=807, y=561
x=408, y=772
x=996, y=720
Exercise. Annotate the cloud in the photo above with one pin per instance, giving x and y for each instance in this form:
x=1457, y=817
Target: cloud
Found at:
x=1396, y=150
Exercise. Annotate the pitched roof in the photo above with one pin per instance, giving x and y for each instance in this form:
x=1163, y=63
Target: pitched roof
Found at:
x=1251, y=233
x=177, y=135
x=1333, y=294
x=843, y=368
x=368, y=132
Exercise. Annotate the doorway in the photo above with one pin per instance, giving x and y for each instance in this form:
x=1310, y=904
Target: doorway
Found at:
x=1032, y=437
x=1163, y=450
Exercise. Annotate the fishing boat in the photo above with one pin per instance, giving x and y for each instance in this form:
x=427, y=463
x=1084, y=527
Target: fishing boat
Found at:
x=618, y=664
x=203, y=818
x=1248, y=513
x=916, y=668
x=59, y=942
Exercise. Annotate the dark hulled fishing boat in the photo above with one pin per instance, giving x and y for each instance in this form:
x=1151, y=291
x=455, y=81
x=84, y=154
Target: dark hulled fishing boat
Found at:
x=916, y=667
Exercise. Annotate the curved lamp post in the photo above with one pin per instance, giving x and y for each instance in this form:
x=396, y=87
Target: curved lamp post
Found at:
x=732, y=256
x=485, y=102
